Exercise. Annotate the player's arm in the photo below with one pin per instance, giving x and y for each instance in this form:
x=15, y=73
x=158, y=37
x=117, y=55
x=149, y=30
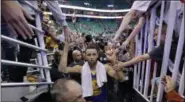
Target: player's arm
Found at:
x=118, y=75
x=63, y=62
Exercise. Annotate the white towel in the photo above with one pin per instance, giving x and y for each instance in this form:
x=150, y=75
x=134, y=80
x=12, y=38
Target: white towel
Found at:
x=86, y=77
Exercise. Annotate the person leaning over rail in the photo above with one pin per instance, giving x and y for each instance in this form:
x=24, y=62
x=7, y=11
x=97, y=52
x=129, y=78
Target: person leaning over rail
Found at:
x=16, y=18
x=136, y=30
x=156, y=54
x=93, y=73
x=137, y=10
x=77, y=60
x=15, y=23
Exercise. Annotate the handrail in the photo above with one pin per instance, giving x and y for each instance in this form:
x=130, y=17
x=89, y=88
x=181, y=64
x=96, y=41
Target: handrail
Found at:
x=7, y=62
x=92, y=9
x=89, y=16
x=22, y=43
x=36, y=29
x=50, y=54
x=25, y=84
x=33, y=71
x=145, y=98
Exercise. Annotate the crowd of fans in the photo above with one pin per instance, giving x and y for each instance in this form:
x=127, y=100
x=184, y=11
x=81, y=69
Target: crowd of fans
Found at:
x=84, y=67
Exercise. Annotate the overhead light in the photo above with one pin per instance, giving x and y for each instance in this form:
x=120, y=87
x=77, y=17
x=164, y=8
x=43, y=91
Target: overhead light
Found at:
x=86, y=3
x=93, y=9
x=110, y=5
x=89, y=16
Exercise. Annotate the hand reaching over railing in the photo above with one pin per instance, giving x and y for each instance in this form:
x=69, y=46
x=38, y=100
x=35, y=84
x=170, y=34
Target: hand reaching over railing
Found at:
x=168, y=83
x=124, y=44
x=15, y=16
x=169, y=86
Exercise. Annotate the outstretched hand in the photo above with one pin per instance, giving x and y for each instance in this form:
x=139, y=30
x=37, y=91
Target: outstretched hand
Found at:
x=168, y=83
x=15, y=17
x=68, y=33
x=124, y=45
x=69, y=40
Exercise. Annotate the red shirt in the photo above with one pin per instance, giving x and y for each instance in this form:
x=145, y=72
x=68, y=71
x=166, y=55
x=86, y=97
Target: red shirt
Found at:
x=183, y=1
x=173, y=96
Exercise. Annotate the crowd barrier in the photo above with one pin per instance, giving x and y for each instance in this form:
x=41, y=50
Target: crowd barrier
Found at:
x=144, y=44
x=42, y=64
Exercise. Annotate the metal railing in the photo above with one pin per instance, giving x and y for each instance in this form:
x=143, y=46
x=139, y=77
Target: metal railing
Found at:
x=22, y=43
x=142, y=74
x=41, y=62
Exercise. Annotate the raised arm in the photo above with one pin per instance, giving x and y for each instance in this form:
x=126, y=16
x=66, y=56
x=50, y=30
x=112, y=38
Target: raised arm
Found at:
x=135, y=31
x=60, y=17
x=57, y=12
x=63, y=62
x=126, y=20
x=111, y=56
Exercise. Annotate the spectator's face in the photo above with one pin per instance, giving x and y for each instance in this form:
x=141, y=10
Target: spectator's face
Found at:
x=162, y=40
x=77, y=55
x=46, y=19
x=80, y=41
x=109, y=51
x=91, y=56
x=74, y=93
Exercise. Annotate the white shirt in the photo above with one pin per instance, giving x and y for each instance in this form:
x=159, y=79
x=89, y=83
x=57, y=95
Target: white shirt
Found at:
x=141, y=6
x=61, y=38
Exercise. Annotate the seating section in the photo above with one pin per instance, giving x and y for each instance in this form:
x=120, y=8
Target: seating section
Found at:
x=94, y=27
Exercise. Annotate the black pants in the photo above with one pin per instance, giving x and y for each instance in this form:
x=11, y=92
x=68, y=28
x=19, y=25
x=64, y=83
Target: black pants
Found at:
x=24, y=55
x=8, y=54
x=125, y=92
